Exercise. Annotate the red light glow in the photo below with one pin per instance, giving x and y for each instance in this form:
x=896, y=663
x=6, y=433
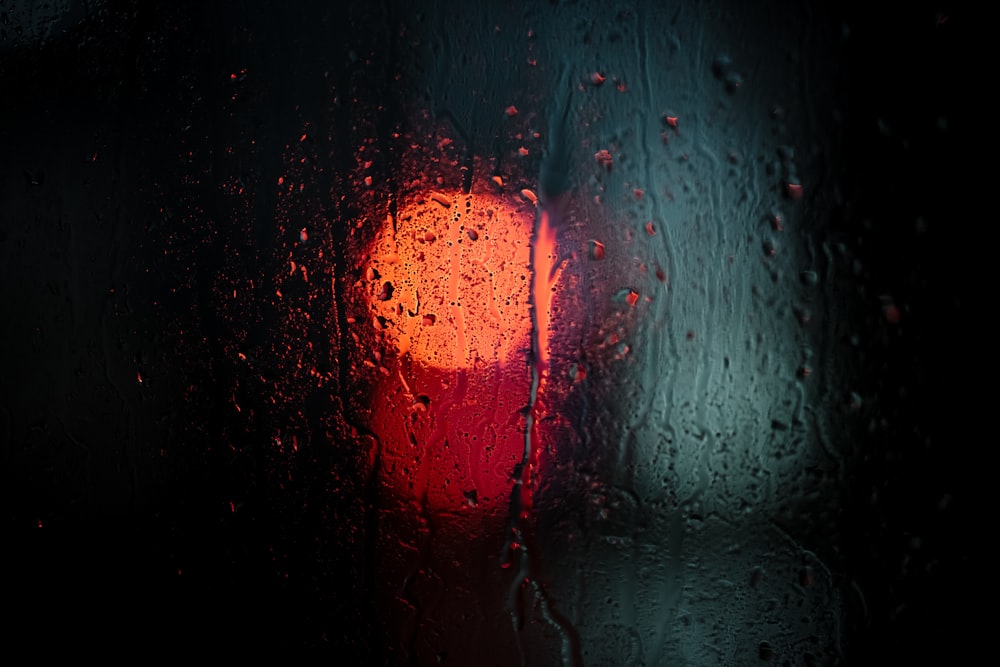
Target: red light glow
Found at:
x=451, y=282
x=449, y=286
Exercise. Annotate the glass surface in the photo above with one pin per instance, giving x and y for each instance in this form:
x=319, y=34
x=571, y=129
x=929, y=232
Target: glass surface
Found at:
x=568, y=333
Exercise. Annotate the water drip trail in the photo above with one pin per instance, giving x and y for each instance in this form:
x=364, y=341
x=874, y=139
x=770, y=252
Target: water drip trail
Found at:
x=523, y=537
x=545, y=270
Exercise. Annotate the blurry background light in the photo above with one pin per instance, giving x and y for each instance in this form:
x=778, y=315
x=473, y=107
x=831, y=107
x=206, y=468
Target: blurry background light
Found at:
x=510, y=333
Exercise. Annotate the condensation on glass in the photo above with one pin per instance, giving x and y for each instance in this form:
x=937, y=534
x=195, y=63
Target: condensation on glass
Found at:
x=596, y=313
x=542, y=304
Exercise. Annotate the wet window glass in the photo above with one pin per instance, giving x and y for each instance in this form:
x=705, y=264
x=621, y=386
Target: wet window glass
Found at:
x=567, y=333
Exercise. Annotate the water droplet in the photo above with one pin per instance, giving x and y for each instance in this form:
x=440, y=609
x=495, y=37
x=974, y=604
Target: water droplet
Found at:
x=386, y=292
x=765, y=651
x=604, y=158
